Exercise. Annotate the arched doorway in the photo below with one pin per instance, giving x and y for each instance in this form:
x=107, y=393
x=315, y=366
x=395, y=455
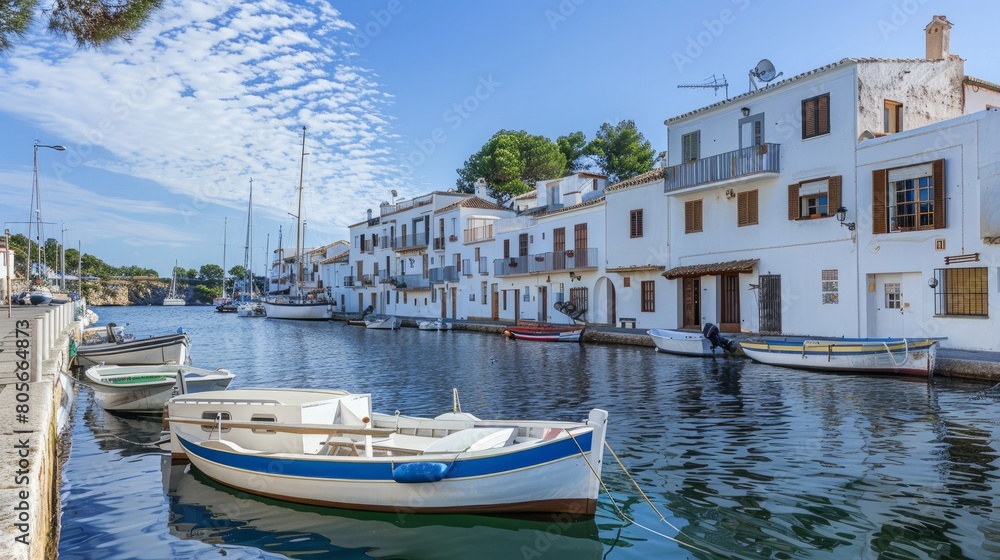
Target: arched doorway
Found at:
x=604, y=301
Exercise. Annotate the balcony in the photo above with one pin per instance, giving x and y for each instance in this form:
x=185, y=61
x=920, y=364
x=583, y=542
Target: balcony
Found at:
x=443, y=274
x=484, y=265
x=411, y=241
x=367, y=246
x=477, y=234
x=387, y=209
x=542, y=263
x=439, y=244
x=383, y=277
x=728, y=168
x=410, y=282
x=349, y=281
x=367, y=280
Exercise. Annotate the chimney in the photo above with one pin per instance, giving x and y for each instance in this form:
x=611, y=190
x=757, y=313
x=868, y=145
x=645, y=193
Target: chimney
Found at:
x=938, y=38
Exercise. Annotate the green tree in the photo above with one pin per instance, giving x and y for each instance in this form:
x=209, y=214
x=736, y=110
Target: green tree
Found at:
x=237, y=271
x=621, y=151
x=511, y=162
x=211, y=272
x=189, y=273
x=575, y=149
x=90, y=23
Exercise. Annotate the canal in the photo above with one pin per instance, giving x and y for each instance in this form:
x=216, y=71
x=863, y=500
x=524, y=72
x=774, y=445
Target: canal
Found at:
x=741, y=460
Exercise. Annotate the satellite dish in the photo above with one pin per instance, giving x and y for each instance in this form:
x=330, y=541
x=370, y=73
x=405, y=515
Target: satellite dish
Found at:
x=764, y=70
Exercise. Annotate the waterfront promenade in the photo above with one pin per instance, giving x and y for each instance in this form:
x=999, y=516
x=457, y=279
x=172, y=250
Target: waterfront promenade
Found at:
x=34, y=349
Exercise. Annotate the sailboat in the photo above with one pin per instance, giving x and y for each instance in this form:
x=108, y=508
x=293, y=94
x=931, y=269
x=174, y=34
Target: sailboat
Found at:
x=298, y=305
x=172, y=297
x=249, y=304
x=39, y=293
x=224, y=304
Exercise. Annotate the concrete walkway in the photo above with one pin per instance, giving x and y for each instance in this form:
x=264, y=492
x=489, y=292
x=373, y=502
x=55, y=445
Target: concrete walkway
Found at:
x=34, y=348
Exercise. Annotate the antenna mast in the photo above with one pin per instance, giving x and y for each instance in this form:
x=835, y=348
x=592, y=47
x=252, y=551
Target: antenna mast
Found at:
x=715, y=84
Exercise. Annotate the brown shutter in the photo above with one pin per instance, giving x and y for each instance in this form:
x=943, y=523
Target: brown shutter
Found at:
x=879, y=178
x=823, y=117
x=741, y=208
x=752, y=207
x=689, y=216
x=939, y=198
x=833, y=196
x=793, y=202
x=697, y=215
x=808, y=118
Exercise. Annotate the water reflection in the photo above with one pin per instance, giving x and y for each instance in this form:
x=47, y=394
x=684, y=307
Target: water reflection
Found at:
x=203, y=510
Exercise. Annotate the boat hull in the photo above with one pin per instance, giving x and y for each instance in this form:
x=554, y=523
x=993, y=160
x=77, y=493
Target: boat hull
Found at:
x=433, y=325
x=170, y=302
x=890, y=356
x=156, y=350
x=308, y=311
x=383, y=323
x=544, y=334
x=140, y=389
x=682, y=343
x=251, y=309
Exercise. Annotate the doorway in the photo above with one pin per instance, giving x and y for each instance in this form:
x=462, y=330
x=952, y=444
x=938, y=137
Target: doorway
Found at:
x=692, y=303
x=729, y=316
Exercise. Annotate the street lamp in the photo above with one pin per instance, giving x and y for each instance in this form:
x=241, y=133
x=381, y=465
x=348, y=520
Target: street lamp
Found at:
x=37, y=211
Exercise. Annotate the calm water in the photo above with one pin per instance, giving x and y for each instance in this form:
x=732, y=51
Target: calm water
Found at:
x=742, y=460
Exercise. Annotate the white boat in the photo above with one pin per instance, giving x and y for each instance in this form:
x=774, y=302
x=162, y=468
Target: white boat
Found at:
x=438, y=324
x=251, y=309
x=328, y=448
x=905, y=356
x=172, y=297
x=155, y=350
x=688, y=343
x=387, y=322
x=298, y=304
x=148, y=388
x=102, y=334
x=203, y=510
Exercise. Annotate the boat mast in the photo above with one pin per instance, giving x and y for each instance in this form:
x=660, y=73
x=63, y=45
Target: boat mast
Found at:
x=298, y=221
x=247, y=253
x=225, y=231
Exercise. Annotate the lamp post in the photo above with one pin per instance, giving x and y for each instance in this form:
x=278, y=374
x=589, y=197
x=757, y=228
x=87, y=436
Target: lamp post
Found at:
x=37, y=211
x=62, y=257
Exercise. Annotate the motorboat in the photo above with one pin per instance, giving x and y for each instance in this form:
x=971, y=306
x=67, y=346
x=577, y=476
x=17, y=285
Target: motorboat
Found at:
x=902, y=356
x=298, y=309
x=387, y=322
x=103, y=334
x=155, y=350
x=688, y=343
x=140, y=389
x=327, y=448
x=438, y=324
x=251, y=309
x=547, y=333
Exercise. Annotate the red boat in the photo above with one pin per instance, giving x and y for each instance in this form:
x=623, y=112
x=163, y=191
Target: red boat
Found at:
x=550, y=333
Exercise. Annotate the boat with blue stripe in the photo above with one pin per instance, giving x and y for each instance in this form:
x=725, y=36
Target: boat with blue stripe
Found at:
x=898, y=356
x=328, y=448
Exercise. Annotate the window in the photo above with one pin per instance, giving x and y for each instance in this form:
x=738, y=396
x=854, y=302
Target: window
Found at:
x=522, y=245
x=816, y=116
x=746, y=208
x=892, y=116
x=908, y=198
x=559, y=239
x=552, y=193
x=893, y=296
x=648, y=288
x=961, y=291
x=580, y=237
x=627, y=282
x=691, y=146
x=578, y=297
x=484, y=288
x=814, y=199
x=692, y=216
x=635, y=224
x=506, y=248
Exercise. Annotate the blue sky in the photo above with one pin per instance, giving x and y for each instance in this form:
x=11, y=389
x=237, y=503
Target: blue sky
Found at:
x=165, y=133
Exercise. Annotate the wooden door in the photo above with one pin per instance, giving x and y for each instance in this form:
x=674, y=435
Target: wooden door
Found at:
x=444, y=304
x=692, y=303
x=495, y=311
x=454, y=303
x=770, y=303
x=729, y=319
x=361, y=303
x=543, y=299
x=517, y=306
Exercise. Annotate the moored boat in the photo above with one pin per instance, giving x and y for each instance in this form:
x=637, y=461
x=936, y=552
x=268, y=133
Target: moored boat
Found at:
x=148, y=388
x=173, y=298
x=904, y=356
x=251, y=309
x=438, y=324
x=689, y=343
x=328, y=448
x=386, y=322
x=155, y=350
x=552, y=333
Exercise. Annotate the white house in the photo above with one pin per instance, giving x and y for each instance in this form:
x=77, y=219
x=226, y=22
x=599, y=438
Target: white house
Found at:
x=928, y=232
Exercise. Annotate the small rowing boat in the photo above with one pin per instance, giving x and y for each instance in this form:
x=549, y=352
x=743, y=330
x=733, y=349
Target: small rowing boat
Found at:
x=551, y=333
x=905, y=356
x=140, y=389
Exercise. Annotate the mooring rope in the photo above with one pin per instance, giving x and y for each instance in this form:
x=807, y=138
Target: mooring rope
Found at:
x=619, y=510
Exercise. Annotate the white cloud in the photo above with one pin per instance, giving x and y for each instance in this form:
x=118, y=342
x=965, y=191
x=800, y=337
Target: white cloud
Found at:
x=209, y=95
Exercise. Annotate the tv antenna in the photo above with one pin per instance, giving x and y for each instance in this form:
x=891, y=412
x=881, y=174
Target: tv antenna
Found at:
x=715, y=84
x=764, y=71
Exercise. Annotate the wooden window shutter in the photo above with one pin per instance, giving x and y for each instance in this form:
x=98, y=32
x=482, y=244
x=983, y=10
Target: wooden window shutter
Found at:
x=752, y=207
x=692, y=216
x=746, y=208
x=793, y=202
x=808, y=118
x=939, y=198
x=833, y=195
x=697, y=215
x=823, y=115
x=879, y=179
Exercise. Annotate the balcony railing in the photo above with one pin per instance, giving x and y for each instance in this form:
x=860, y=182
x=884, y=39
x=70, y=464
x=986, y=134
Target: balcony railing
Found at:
x=439, y=244
x=410, y=282
x=410, y=241
x=477, y=234
x=367, y=280
x=765, y=158
x=387, y=209
x=367, y=246
x=349, y=281
x=383, y=277
x=443, y=274
x=546, y=262
x=484, y=265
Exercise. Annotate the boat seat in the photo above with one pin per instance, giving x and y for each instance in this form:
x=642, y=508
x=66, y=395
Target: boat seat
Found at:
x=474, y=439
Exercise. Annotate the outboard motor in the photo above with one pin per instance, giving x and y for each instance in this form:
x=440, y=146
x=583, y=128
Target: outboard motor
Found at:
x=711, y=332
x=111, y=333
